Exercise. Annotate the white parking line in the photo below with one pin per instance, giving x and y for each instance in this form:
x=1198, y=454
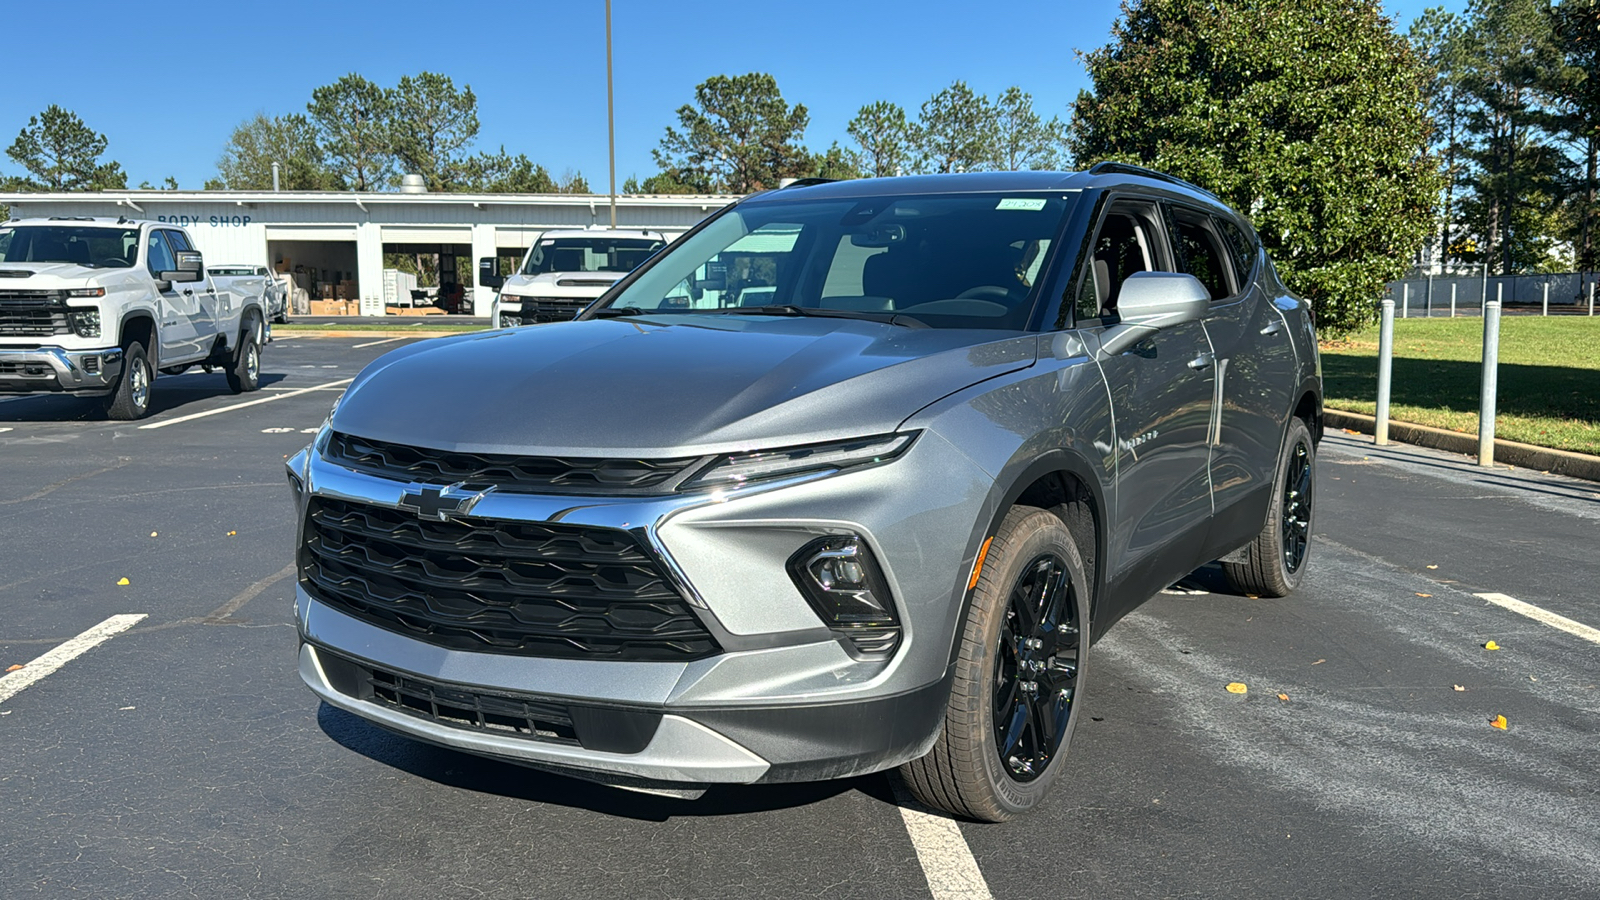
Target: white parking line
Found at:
x=220, y=410
x=376, y=343
x=1539, y=614
x=54, y=659
x=947, y=861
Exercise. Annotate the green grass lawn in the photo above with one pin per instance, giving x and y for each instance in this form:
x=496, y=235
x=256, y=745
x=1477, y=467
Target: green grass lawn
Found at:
x=1549, y=380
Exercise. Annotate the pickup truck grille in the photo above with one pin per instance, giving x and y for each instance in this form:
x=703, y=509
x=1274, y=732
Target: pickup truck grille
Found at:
x=492, y=586
x=527, y=474
x=32, y=314
x=539, y=310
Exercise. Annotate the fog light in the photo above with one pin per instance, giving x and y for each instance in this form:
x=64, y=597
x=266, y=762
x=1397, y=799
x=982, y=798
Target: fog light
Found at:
x=91, y=365
x=842, y=581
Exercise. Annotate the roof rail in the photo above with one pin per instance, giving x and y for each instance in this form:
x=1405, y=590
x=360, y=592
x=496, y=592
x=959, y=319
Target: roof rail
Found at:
x=807, y=182
x=1116, y=168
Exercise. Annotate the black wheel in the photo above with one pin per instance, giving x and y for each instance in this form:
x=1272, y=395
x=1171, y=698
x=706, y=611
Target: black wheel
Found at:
x=245, y=374
x=1275, y=561
x=131, y=399
x=1019, y=676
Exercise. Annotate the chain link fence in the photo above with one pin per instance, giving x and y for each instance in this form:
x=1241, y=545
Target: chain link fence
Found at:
x=1569, y=293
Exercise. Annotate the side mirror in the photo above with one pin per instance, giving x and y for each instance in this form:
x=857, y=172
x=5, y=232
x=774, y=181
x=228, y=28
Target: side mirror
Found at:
x=1151, y=301
x=489, y=272
x=190, y=267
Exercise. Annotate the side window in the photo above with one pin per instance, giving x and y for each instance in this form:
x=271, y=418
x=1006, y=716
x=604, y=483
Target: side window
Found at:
x=1202, y=254
x=160, y=255
x=179, y=241
x=1241, y=248
x=1127, y=241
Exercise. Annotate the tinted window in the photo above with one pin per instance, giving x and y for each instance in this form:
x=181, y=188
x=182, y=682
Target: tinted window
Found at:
x=1241, y=248
x=1202, y=255
x=85, y=246
x=179, y=241
x=589, y=254
x=160, y=256
x=950, y=261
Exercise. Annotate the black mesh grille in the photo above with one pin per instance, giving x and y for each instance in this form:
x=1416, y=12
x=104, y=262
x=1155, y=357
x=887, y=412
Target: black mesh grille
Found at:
x=32, y=314
x=537, y=310
x=505, y=472
x=494, y=586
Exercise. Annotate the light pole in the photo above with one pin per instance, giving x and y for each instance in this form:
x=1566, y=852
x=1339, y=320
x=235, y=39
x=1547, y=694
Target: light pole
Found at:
x=611, y=119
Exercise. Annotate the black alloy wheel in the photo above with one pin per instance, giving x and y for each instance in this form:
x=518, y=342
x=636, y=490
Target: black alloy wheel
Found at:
x=1296, y=506
x=1036, y=668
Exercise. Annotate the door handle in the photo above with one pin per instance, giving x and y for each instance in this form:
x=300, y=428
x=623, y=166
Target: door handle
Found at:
x=1202, y=361
x=1272, y=329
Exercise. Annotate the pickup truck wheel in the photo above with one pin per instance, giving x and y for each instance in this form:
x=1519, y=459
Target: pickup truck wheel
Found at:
x=131, y=399
x=1275, y=561
x=1019, y=676
x=245, y=375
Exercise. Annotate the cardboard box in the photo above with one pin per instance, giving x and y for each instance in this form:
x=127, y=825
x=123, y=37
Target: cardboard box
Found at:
x=415, y=311
x=330, y=308
x=285, y=265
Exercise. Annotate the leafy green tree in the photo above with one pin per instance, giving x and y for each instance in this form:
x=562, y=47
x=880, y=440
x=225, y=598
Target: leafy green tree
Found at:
x=836, y=163
x=572, y=182
x=1507, y=55
x=659, y=183
x=1438, y=37
x=955, y=131
x=1022, y=140
x=352, y=118
x=739, y=136
x=430, y=124
x=290, y=141
x=502, y=173
x=1575, y=92
x=884, y=134
x=61, y=153
x=1307, y=115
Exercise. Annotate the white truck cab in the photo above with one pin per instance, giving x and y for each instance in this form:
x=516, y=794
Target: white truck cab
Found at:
x=95, y=307
x=564, y=271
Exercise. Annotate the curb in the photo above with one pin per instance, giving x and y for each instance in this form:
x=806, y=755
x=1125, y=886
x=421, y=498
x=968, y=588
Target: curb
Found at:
x=342, y=333
x=1511, y=453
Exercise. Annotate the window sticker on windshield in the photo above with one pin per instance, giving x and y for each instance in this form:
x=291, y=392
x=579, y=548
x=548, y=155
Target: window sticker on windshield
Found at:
x=1028, y=203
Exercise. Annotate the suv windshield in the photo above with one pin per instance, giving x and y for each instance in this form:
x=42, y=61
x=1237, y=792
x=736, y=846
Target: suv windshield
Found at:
x=948, y=261
x=589, y=254
x=83, y=245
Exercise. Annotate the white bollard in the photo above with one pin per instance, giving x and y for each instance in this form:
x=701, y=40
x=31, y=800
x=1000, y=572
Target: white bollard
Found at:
x=1486, y=396
x=1546, y=299
x=1405, y=301
x=1380, y=428
x=1591, y=298
x=1452, y=301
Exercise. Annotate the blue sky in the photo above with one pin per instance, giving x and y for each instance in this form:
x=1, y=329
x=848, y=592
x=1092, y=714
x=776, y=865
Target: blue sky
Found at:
x=168, y=89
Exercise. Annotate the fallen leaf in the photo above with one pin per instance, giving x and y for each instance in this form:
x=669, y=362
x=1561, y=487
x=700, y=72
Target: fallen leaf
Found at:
x=14, y=668
x=1284, y=697
x=123, y=582
x=6, y=713
x=1237, y=687
x=1457, y=687
x=1433, y=567
x=1498, y=722
x=1422, y=595
x=1491, y=645
x=1351, y=431
x=152, y=534
x=1319, y=662
x=232, y=533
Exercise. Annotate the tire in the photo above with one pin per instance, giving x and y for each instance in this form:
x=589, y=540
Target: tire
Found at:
x=131, y=398
x=965, y=774
x=244, y=375
x=1275, y=561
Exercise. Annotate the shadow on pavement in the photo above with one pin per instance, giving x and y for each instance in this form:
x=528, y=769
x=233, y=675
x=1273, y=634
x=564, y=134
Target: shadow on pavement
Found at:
x=473, y=773
x=169, y=392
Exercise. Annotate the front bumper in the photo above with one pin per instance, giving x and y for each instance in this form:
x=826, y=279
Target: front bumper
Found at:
x=52, y=369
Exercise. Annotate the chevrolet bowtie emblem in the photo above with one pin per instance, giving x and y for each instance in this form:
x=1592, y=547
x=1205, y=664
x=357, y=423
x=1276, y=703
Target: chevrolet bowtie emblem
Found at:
x=440, y=504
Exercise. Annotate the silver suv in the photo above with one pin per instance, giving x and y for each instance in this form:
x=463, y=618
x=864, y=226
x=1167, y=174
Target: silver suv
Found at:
x=847, y=478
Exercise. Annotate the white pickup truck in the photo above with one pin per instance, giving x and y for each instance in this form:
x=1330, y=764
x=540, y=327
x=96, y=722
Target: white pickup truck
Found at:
x=96, y=307
x=563, y=272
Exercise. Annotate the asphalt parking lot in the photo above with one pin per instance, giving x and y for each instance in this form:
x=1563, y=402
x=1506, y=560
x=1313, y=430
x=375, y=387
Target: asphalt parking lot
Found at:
x=182, y=756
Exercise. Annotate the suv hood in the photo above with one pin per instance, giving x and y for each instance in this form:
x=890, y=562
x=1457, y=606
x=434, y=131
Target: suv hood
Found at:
x=46, y=272
x=556, y=284
x=642, y=387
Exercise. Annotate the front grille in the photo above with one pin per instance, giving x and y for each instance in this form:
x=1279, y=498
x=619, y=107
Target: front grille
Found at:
x=492, y=586
x=505, y=472
x=502, y=713
x=26, y=369
x=32, y=314
x=539, y=310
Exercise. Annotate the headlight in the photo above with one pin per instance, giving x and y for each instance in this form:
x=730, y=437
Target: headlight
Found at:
x=511, y=298
x=743, y=468
x=840, y=578
x=85, y=322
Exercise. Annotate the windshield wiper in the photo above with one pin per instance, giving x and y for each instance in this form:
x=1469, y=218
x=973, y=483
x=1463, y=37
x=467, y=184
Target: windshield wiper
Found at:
x=791, y=310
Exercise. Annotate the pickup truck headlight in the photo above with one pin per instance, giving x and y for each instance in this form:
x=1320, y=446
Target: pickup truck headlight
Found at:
x=85, y=322
x=740, y=469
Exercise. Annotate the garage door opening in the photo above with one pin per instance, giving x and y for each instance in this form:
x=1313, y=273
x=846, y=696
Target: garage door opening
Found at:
x=322, y=275
x=421, y=278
